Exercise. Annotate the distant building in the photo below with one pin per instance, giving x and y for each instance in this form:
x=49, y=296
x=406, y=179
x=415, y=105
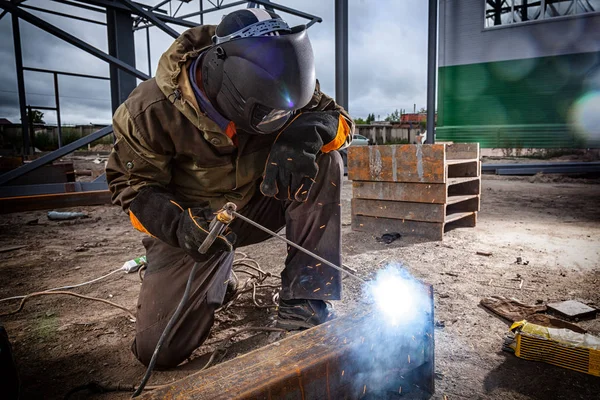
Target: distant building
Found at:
x=519, y=73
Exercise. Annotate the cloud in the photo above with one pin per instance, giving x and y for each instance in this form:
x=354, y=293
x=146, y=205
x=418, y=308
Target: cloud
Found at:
x=387, y=57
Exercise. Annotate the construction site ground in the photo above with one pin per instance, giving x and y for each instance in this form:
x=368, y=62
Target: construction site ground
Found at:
x=553, y=224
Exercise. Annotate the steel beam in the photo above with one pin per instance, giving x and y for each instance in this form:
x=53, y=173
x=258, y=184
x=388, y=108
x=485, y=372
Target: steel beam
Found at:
x=51, y=71
x=21, y=84
x=341, y=53
x=67, y=37
x=52, y=201
x=121, y=45
x=151, y=17
x=79, y=5
x=48, y=158
x=352, y=357
x=51, y=188
x=431, y=69
x=91, y=21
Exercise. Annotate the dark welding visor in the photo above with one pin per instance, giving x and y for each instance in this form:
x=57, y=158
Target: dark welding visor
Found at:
x=258, y=82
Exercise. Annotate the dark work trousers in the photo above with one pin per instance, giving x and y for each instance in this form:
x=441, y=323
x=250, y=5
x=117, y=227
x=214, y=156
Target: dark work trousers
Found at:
x=315, y=225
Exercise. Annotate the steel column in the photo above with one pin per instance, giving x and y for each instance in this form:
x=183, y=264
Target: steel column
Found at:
x=57, y=104
x=341, y=53
x=431, y=70
x=148, y=50
x=21, y=84
x=121, y=46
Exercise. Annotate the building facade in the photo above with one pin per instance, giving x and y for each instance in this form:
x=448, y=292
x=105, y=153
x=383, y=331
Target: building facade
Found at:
x=519, y=73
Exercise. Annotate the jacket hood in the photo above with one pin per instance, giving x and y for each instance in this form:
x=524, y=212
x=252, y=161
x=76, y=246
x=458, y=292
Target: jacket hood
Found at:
x=172, y=74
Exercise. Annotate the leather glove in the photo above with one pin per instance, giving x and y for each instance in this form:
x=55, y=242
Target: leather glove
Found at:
x=291, y=168
x=154, y=211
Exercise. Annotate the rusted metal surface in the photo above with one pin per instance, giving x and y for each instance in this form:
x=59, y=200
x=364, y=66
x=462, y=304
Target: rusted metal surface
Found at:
x=399, y=210
x=50, y=201
x=462, y=151
x=463, y=168
x=397, y=191
x=377, y=226
x=343, y=359
x=397, y=163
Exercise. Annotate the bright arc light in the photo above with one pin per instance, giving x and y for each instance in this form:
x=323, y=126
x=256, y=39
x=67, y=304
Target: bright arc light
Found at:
x=398, y=296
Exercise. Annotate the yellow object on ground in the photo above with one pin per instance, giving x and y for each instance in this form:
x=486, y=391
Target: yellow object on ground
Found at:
x=561, y=347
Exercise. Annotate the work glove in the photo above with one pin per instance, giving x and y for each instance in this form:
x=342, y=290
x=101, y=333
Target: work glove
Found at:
x=291, y=168
x=154, y=211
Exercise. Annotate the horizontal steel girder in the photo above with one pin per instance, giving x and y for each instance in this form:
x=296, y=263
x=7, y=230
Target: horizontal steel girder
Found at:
x=350, y=357
x=55, y=155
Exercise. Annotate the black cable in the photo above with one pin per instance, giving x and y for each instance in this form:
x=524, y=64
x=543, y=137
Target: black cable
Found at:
x=166, y=331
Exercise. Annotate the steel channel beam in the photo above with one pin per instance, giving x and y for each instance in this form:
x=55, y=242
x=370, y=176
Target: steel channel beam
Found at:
x=494, y=167
x=48, y=158
x=349, y=357
x=51, y=71
x=21, y=84
x=67, y=37
x=51, y=188
x=431, y=69
x=150, y=16
x=52, y=201
x=341, y=53
x=91, y=21
x=548, y=170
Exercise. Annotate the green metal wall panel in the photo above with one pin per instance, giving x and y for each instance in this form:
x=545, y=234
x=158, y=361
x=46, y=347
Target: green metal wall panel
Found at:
x=525, y=103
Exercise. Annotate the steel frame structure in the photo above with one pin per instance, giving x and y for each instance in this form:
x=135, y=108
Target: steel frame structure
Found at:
x=123, y=17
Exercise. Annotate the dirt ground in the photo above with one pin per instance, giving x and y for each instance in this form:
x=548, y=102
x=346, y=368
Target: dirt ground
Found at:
x=62, y=342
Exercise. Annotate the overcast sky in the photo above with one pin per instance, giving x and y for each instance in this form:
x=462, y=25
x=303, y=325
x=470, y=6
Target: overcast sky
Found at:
x=387, y=57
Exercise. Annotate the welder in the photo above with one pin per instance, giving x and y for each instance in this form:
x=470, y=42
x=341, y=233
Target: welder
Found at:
x=234, y=114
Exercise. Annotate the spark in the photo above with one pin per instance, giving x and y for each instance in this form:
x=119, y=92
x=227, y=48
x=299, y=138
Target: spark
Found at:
x=290, y=159
x=316, y=265
x=333, y=183
x=322, y=226
x=409, y=358
x=365, y=389
x=273, y=163
x=343, y=372
x=399, y=297
x=316, y=290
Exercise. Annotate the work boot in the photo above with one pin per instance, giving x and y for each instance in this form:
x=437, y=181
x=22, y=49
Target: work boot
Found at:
x=302, y=314
x=232, y=288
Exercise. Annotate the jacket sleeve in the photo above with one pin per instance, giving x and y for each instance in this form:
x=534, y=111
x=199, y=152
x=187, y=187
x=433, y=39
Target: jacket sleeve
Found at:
x=134, y=163
x=321, y=102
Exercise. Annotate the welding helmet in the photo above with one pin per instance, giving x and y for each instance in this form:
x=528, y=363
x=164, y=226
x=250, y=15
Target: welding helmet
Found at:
x=259, y=71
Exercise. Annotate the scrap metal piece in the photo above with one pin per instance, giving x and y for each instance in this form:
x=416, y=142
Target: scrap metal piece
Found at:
x=572, y=309
x=349, y=357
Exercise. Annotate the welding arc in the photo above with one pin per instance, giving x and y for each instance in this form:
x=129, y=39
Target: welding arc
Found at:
x=302, y=249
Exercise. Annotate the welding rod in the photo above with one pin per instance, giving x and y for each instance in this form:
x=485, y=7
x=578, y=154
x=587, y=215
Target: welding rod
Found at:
x=302, y=249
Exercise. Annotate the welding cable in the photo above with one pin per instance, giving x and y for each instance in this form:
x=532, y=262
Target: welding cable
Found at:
x=25, y=298
x=167, y=330
x=65, y=287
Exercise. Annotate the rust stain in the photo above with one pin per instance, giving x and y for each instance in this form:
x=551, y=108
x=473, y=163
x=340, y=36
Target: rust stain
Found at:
x=300, y=382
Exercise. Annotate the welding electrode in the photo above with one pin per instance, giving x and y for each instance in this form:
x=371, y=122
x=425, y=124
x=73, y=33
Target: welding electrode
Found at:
x=302, y=249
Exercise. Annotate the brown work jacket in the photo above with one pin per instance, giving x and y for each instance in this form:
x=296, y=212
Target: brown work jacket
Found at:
x=162, y=138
